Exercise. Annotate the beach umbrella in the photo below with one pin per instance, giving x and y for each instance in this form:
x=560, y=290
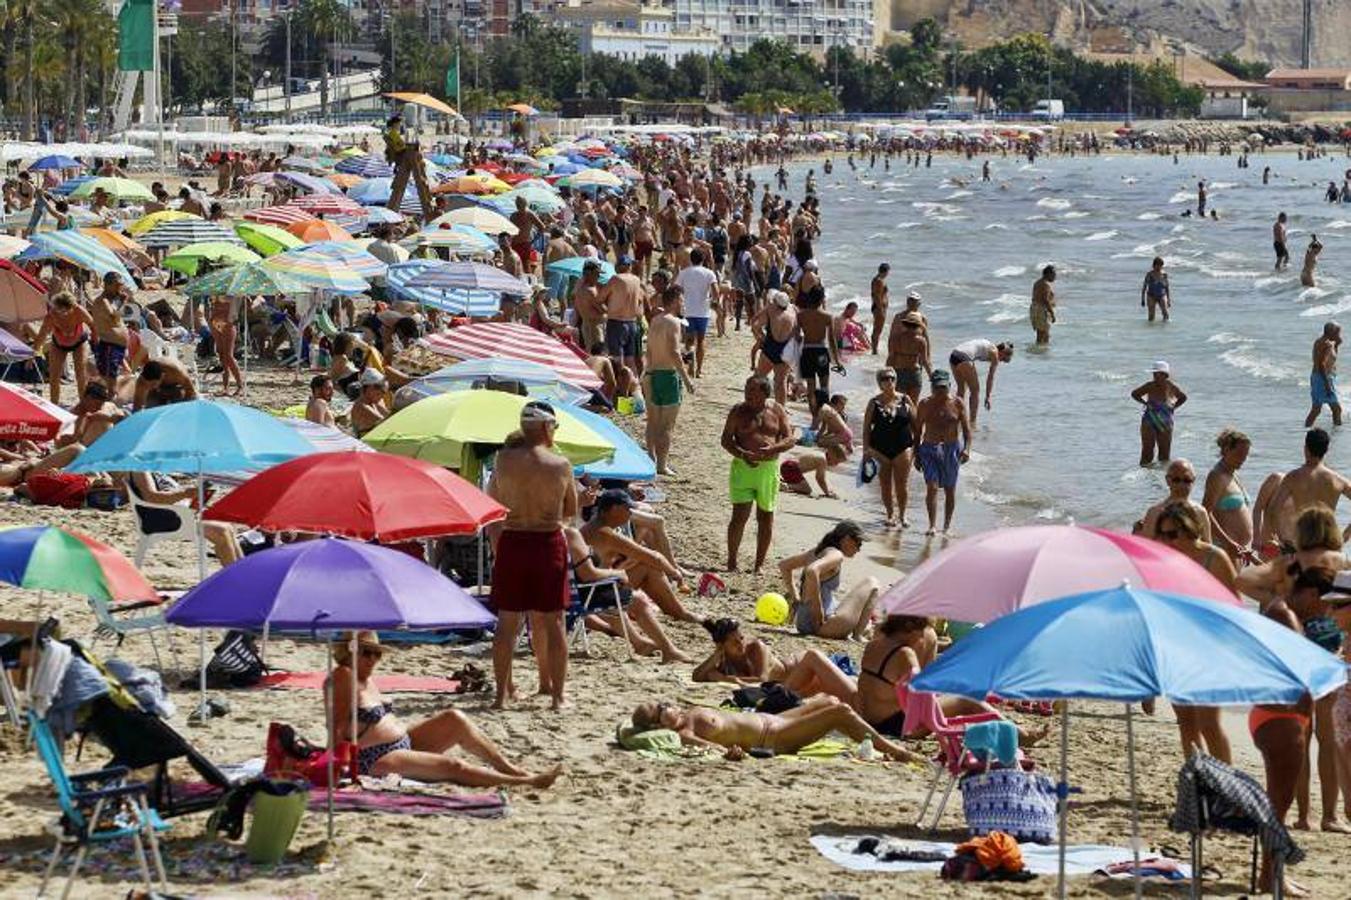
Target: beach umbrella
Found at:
x=541, y=382
x=180, y=232
x=385, y=498
x=317, y=272
x=345, y=181
x=444, y=429
x=12, y=246
x=48, y=558
x=379, y=215
x=22, y=297
x=400, y=253
x=244, y=280
x=24, y=416
x=366, y=166
x=266, y=240
x=77, y=249
x=115, y=241
x=573, y=265
x=373, y=191
x=318, y=230
x=188, y=260
x=486, y=220
x=444, y=159
x=453, y=239
x=55, y=161
x=119, y=189
x=468, y=184
x=300, y=164
x=427, y=101
x=278, y=215
x=471, y=276
x=538, y=199
x=512, y=340
x=348, y=254
x=328, y=204
x=988, y=575
x=456, y=301
x=151, y=220
x=65, y=188
x=630, y=461
x=563, y=167
x=595, y=178
x=1130, y=645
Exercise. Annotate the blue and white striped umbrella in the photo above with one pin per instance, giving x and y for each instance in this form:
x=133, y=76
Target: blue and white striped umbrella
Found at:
x=311, y=183
x=366, y=166
x=376, y=191
x=347, y=254
x=78, y=250
x=181, y=232
x=379, y=215
x=65, y=188
x=471, y=276
x=456, y=301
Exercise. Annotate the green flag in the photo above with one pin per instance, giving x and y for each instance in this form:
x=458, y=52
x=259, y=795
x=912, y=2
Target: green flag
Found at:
x=136, y=36
x=453, y=78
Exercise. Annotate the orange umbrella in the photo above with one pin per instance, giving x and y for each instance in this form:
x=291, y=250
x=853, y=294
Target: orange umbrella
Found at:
x=318, y=230
x=464, y=185
x=344, y=180
x=118, y=243
x=424, y=100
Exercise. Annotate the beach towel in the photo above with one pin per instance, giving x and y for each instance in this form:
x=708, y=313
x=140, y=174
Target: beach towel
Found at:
x=1080, y=859
x=664, y=744
x=393, y=684
x=478, y=806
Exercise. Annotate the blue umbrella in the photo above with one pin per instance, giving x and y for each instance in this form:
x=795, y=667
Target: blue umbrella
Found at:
x=630, y=462
x=366, y=166
x=78, y=250
x=573, y=265
x=472, y=302
x=65, y=188
x=379, y=215
x=311, y=183
x=371, y=191
x=56, y=161
x=563, y=167
x=1131, y=645
x=445, y=159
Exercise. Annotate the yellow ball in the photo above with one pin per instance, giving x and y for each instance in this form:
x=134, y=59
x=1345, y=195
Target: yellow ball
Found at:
x=772, y=609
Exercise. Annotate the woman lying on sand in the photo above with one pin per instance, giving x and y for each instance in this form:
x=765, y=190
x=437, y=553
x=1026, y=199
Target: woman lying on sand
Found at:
x=817, y=610
x=386, y=747
x=739, y=661
x=742, y=732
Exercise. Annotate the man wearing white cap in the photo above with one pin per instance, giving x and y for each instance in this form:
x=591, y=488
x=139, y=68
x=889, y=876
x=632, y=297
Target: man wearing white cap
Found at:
x=1160, y=398
x=370, y=408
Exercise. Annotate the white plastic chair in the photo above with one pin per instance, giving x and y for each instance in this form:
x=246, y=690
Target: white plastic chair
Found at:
x=186, y=530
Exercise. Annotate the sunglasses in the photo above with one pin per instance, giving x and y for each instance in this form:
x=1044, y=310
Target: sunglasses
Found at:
x=1180, y=479
x=371, y=653
x=886, y=377
x=1170, y=534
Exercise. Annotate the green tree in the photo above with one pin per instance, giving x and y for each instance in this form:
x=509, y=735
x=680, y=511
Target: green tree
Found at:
x=323, y=20
x=1244, y=69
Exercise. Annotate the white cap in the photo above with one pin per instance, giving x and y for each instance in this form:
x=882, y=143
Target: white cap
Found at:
x=1161, y=366
x=811, y=265
x=913, y=295
x=780, y=299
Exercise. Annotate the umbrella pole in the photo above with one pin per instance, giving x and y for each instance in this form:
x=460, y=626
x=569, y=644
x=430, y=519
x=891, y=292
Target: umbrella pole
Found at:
x=1063, y=789
x=203, y=711
x=1135, y=803
x=244, y=336
x=332, y=735
x=352, y=661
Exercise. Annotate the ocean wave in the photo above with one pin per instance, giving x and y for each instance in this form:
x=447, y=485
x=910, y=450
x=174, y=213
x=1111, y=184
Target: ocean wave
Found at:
x=1039, y=217
x=1054, y=203
x=904, y=225
x=1227, y=273
x=1328, y=309
x=1182, y=197
x=1109, y=377
x=1338, y=224
x=1149, y=216
x=996, y=226
x=1076, y=214
x=881, y=202
x=1309, y=294
x=1005, y=300
x=1009, y=271
x=1250, y=363
x=1228, y=337
x=1221, y=185
x=957, y=195
x=1006, y=315
x=1102, y=235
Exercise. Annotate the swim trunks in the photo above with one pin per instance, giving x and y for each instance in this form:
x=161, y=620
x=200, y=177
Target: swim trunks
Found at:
x=665, y=387
x=591, y=331
x=108, y=358
x=621, y=337
x=697, y=325
x=642, y=250
x=1281, y=252
x=754, y=481
x=1041, y=317
x=814, y=362
x=909, y=380
x=1323, y=389
x=940, y=462
x=530, y=572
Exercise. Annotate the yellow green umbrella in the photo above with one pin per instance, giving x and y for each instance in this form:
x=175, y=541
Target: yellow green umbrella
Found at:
x=267, y=239
x=442, y=429
x=190, y=258
x=147, y=222
x=117, y=188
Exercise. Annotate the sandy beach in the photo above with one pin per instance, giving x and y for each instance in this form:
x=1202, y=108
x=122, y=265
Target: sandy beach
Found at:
x=615, y=824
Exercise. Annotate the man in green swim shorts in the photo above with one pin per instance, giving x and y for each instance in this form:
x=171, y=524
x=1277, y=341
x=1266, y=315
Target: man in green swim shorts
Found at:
x=757, y=431
x=663, y=376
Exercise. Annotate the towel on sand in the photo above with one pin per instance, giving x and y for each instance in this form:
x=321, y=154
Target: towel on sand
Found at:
x=393, y=684
x=478, y=806
x=1041, y=859
x=664, y=744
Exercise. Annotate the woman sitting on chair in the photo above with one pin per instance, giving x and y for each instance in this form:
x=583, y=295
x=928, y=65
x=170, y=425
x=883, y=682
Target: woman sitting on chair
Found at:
x=387, y=747
x=161, y=490
x=738, y=661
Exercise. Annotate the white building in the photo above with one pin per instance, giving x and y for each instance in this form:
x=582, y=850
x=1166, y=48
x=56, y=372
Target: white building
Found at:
x=808, y=26
x=632, y=30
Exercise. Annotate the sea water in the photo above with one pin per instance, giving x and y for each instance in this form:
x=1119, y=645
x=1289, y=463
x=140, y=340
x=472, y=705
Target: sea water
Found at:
x=1062, y=441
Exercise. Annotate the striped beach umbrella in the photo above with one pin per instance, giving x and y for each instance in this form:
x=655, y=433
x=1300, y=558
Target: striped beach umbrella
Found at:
x=366, y=166
x=456, y=239
x=266, y=240
x=595, y=178
x=456, y=301
x=379, y=215
x=113, y=240
x=301, y=164
x=471, y=276
x=278, y=215
x=537, y=199
x=24, y=416
x=117, y=188
x=47, y=558
x=511, y=340
x=486, y=220
x=148, y=222
x=244, y=280
x=312, y=183
x=327, y=204
x=189, y=259
x=317, y=273
x=79, y=250
x=347, y=254
x=181, y=232
x=345, y=181
x=11, y=246
x=319, y=230
x=64, y=188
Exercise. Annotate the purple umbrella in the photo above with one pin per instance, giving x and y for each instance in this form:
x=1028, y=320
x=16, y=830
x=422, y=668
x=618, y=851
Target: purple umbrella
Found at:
x=329, y=585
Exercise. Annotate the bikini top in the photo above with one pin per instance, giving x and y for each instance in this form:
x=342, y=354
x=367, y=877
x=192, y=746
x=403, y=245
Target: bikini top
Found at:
x=368, y=716
x=880, y=672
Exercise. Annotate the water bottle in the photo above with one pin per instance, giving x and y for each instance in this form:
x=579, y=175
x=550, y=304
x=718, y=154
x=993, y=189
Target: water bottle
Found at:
x=866, y=751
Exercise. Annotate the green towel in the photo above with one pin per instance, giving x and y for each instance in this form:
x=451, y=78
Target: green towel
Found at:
x=664, y=744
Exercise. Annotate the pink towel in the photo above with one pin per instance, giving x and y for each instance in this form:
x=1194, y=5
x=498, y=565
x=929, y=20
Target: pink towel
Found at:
x=423, y=684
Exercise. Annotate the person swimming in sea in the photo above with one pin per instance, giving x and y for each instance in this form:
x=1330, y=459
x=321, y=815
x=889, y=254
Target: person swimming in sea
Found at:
x=1160, y=398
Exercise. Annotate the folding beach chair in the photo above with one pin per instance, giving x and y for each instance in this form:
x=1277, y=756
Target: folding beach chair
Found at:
x=121, y=621
x=591, y=598
x=923, y=713
x=97, y=808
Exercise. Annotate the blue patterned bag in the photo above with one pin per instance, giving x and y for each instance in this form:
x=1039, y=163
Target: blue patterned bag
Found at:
x=1019, y=803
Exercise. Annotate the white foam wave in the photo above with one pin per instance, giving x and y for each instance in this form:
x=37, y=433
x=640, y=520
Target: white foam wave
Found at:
x=904, y=225
x=1006, y=315
x=1102, y=235
x=1076, y=214
x=1228, y=337
x=996, y=226
x=1338, y=224
x=1182, y=197
x=1149, y=216
x=1054, y=203
x=1009, y=271
x=957, y=195
x=1110, y=377
x=1005, y=300
x=1328, y=309
x=1245, y=360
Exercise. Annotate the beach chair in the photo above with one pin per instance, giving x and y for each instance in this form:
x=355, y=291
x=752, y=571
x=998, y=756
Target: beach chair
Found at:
x=584, y=603
x=923, y=713
x=120, y=622
x=186, y=530
x=97, y=808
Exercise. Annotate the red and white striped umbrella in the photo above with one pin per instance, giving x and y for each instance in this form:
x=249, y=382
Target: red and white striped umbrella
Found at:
x=278, y=215
x=509, y=340
x=328, y=204
x=25, y=416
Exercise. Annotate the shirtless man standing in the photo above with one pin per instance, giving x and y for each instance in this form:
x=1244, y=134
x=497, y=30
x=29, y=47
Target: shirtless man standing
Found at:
x=943, y=433
x=963, y=360
x=1301, y=488
x=1323, y=379
x=664, y=376
x=621, y=298
x=527, y=223
x=1042, y=311
x=109, y=331
x=820, y=346
x=530, y=570
x=908, y=352
x=1278, y=238
x=774, y=325
x=644, y=241
x=757, y=431
x=587, y=304
x=881, y=299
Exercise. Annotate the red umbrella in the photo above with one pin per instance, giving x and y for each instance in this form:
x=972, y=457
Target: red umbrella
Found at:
x=367, y=496
x=28, y=417
x=22, y=297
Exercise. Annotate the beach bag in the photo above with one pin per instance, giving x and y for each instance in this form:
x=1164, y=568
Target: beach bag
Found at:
x=290, y=756
x=1022, y=804
x=770, y=697
x=235, y=663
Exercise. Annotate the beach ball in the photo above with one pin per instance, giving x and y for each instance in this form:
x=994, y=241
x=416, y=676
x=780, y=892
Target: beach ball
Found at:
x=772, y=609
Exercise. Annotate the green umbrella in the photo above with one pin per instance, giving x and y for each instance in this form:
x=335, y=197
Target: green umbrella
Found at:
x=267, y=239
x=244, y=280
x=117, y=188
x=190, y=258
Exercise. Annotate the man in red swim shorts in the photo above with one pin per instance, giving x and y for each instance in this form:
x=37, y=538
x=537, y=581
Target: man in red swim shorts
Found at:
x=530, y=565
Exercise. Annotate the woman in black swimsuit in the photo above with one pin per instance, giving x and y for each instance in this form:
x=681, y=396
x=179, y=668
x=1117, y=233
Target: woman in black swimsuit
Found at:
x=888, y=436
x=736, y=660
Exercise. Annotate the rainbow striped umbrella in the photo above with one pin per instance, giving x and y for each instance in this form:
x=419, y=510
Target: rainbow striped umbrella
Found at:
x=47, y=558
x=317, y=272
x=246, y=280
x=79, y=250
x=347, y=254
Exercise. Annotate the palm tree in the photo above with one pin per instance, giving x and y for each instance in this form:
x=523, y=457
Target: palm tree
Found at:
x=78, y=24
x=324, y=19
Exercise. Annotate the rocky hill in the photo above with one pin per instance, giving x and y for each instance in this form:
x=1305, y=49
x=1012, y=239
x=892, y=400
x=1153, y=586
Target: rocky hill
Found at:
x=1254, y=29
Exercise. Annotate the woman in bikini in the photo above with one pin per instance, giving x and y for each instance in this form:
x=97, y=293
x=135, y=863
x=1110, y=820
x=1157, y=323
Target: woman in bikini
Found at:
x=69, y=326
x=788, y=732
x=387, y=747
x=1296, y=582
x=817, y=611
x=224, y=331
x=736, y=660
x=1179, y=526
x=888, y=438
x=1226, y=500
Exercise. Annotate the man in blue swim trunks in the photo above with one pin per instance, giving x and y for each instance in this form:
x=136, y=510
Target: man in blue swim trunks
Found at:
x=1323, y=379
x=944, y=439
